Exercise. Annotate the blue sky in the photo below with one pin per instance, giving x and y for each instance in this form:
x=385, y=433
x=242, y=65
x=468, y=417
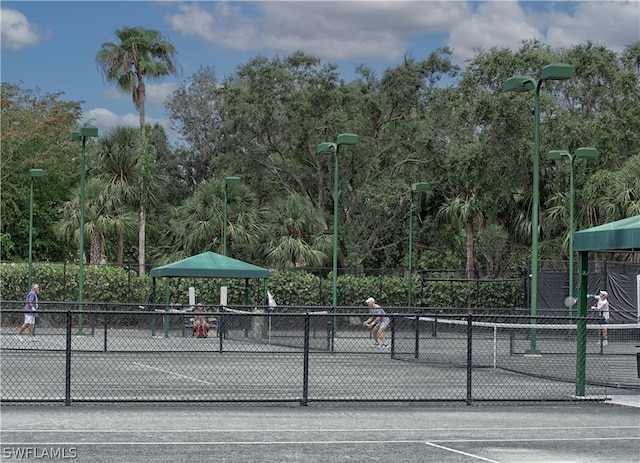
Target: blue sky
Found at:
x=52, y=44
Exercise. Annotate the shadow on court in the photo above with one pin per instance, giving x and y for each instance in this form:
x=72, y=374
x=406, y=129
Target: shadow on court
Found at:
x=404, y=433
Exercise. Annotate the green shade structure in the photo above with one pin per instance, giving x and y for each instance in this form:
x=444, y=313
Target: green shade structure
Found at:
x=415, y=188
x=33, y=174
x=622, y=235
x=525, y=84
x=81, y=135
x=328, y=147
x=557, y=155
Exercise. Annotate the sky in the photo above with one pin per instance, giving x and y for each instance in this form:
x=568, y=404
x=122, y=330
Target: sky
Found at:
x=52, y=45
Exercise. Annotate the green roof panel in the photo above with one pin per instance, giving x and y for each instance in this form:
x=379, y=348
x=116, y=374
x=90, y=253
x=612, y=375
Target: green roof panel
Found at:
x=210, y=265
x=623, y=235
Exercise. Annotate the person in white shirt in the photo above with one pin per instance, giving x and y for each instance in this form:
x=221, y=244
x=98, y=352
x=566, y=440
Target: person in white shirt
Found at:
x=602, y=307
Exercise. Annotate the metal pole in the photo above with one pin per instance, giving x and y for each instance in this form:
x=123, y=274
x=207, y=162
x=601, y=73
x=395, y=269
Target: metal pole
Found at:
x=335, y=237
x=224, y=225
x=581, y=335
x=30, y=232
x=409, y=301
x=81, y=262
x=534, y=219
x=571, y=227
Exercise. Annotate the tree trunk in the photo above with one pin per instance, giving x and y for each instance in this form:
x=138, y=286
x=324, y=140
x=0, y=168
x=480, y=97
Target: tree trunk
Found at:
x=120, y=257
x=141, y=239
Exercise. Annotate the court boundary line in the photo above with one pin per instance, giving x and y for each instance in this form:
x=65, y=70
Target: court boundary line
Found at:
x=326, y=430
x=331, y=442
x=477, y=457
x=174, y=374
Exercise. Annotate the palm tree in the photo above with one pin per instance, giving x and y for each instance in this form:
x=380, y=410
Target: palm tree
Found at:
x=294, y=231
x=140, y=54
x=101, y=217
x=197, y=224
x=116, y=166
x=464, y=210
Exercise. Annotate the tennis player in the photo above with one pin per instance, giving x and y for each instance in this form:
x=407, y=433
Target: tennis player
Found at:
x=30, y=307
x=377, y=323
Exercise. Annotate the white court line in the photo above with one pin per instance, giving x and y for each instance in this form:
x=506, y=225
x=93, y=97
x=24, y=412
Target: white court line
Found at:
x=172, y=373
x=325, y=442
x=322, y=430
x=477, y=457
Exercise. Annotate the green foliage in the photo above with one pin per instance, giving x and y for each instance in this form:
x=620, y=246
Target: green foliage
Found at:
x=297, y=288
x=59, y=282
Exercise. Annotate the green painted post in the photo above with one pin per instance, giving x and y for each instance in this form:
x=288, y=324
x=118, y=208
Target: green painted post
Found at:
x=581, y=337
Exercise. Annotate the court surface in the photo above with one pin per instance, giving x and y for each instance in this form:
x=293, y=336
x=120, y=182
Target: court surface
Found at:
x=403, y=433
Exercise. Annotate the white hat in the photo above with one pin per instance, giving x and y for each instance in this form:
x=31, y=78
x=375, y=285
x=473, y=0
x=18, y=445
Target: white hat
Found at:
x=35, y=286
x=370, y=300
x=604, y=293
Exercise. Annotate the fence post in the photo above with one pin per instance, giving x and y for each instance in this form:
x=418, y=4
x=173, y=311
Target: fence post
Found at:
x=469, y=357
x=106, y=325
x=417, y=346
x=305, y=366
x=67, y=377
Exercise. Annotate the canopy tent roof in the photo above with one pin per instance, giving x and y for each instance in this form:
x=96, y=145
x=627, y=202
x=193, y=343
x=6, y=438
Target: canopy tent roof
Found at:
x=622, y=235
x=210, y=265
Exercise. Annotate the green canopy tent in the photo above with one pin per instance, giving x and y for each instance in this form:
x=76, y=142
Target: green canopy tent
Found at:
x=210, y=265
x=622, y=235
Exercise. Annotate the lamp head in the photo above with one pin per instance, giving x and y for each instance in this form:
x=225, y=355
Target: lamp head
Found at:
x=232, y=180
x=586, y=153
x=347, y=139
x=421, y=186
x=326, y=147
x=88, y=131
x=519, y=84
x=556, y=72
x=556, y=155
x=36, y=172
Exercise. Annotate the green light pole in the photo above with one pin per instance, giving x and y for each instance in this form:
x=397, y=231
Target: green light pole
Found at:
x=556, y=155
x=419, y=187
x=82, y=135
x=227, y=181
x=326, y=147
x=525, y=84
x=33, y=173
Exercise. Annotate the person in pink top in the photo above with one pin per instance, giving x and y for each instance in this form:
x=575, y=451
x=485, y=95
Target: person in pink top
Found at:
x=377, y=323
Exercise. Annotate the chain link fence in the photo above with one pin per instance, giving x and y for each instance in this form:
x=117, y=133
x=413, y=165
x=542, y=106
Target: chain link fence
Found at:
x=119, y=353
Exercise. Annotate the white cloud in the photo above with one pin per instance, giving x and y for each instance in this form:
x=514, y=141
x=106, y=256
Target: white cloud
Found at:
x=16, y=31
x=507, y=24
x=107, y=120
x=333, y=30
x=364, y=30
x=494, y=24
x=613, y=23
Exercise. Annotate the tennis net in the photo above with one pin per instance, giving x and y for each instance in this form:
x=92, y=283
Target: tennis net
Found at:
x=546, y=348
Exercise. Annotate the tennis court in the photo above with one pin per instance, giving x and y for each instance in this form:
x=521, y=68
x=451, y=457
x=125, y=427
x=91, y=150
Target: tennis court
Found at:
x=578, y=432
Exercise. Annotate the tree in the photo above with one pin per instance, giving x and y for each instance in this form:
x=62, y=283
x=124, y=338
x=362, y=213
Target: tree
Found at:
x=140, y=54
x=194, y=112
x=116, y=166
x=35, y=129
x=196, y=225
x=294, y=231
